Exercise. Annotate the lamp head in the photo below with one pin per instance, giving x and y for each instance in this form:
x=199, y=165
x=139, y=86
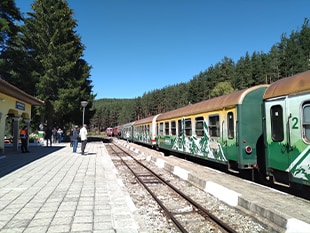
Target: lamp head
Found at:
x=84, y=103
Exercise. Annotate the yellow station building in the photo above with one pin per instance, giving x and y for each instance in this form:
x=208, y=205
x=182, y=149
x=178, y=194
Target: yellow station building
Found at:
x=15, y=110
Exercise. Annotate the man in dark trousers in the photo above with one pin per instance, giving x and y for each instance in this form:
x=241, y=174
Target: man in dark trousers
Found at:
x=83, y=135
x=23, y=134
x=48, y=135
x=75, y=135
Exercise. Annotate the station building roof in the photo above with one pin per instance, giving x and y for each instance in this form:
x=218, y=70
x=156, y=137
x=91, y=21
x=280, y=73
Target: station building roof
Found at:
x=10, y=90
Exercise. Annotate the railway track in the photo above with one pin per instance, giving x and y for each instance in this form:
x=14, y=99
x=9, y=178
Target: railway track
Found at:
x=186, y=214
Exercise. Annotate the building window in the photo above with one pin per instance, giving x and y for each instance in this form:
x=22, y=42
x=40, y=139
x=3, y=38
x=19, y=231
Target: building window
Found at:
x=276, y=118
x=199, y=126
x=230, y=125
x=214, y=126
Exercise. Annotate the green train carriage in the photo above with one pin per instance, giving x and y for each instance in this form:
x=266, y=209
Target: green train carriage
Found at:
x=224, y=129
x=287, y=130
x=144, y=131
x=127, y=131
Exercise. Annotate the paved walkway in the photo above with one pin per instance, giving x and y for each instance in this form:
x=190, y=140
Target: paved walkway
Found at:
x=54, y=190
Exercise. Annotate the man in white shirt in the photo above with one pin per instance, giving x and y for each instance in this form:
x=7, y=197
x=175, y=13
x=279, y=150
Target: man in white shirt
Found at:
x=83, y=135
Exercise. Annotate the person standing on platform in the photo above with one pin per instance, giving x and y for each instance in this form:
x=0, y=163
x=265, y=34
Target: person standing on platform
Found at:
x=23, y=134
x=54, y=131
x=127, y=137
x=48, y=136
x=75, y=135
x=83, y=135
x=59, y=135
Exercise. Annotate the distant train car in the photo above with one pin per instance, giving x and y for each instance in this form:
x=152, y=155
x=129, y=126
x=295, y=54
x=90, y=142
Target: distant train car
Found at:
x=109, y=131
x=145, y=131
x=224, y=129
x=119, y=131
x=287, y=130
x=127, y=131
x=116, y=132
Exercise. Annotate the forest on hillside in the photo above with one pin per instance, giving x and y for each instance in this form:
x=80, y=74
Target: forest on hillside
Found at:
x=288, y=57
x=49, y=65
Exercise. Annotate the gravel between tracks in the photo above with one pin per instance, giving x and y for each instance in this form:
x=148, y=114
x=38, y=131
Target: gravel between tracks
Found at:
x=151, y=216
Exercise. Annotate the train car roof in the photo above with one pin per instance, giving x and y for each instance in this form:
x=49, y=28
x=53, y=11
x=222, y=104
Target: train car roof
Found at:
x=128, y=124
x=145, y=120
x=213, y=104
x=295, y=84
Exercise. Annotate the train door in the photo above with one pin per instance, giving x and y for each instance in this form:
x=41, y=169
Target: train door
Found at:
x=298, y=148
x=278, y=123
x=229, y=136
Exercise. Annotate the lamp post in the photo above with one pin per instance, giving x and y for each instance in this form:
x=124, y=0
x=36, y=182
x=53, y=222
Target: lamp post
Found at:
x=84, y=104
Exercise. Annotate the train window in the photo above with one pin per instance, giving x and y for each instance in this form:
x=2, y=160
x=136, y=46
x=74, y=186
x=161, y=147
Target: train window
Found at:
x=306, y=121
x=166, y=128
x=179, y=127
x=230, y=125
x=148, y=129
x=173, y=128
x=157, y=130
x=199, y=126
x=276, y=118
x=161, y=128
x=214, y=126
x=188, y=127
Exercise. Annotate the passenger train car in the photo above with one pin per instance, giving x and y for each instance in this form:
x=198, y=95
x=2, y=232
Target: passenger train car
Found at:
x=144, y=131
x=264, y=128
x=127, y=131
x=116, y=131
x=224, y=129
x=286, y=121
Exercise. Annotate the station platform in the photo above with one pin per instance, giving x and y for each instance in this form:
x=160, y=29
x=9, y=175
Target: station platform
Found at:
x=52, y=189
x=288, y=213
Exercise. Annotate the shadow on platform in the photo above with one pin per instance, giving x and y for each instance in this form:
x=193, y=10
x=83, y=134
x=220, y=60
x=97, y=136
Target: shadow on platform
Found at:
x=12, y=160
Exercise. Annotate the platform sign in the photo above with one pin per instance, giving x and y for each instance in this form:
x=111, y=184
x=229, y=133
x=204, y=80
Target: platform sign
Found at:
x=20, y=106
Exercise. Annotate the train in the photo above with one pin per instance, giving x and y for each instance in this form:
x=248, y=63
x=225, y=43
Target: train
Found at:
x=109, y=131
x=264, y=128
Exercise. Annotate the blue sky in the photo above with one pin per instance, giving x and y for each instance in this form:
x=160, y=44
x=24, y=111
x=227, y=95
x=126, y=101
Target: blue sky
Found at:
x=137, y=46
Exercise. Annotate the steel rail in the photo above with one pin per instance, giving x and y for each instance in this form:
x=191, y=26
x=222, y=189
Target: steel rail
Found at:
x=200, y=208
x=170, y=215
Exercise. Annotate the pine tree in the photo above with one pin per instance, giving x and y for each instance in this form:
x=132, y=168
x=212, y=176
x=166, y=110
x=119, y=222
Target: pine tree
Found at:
x=62, y=77
x=9, y=16
x=304, y=41
x=9, y=28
